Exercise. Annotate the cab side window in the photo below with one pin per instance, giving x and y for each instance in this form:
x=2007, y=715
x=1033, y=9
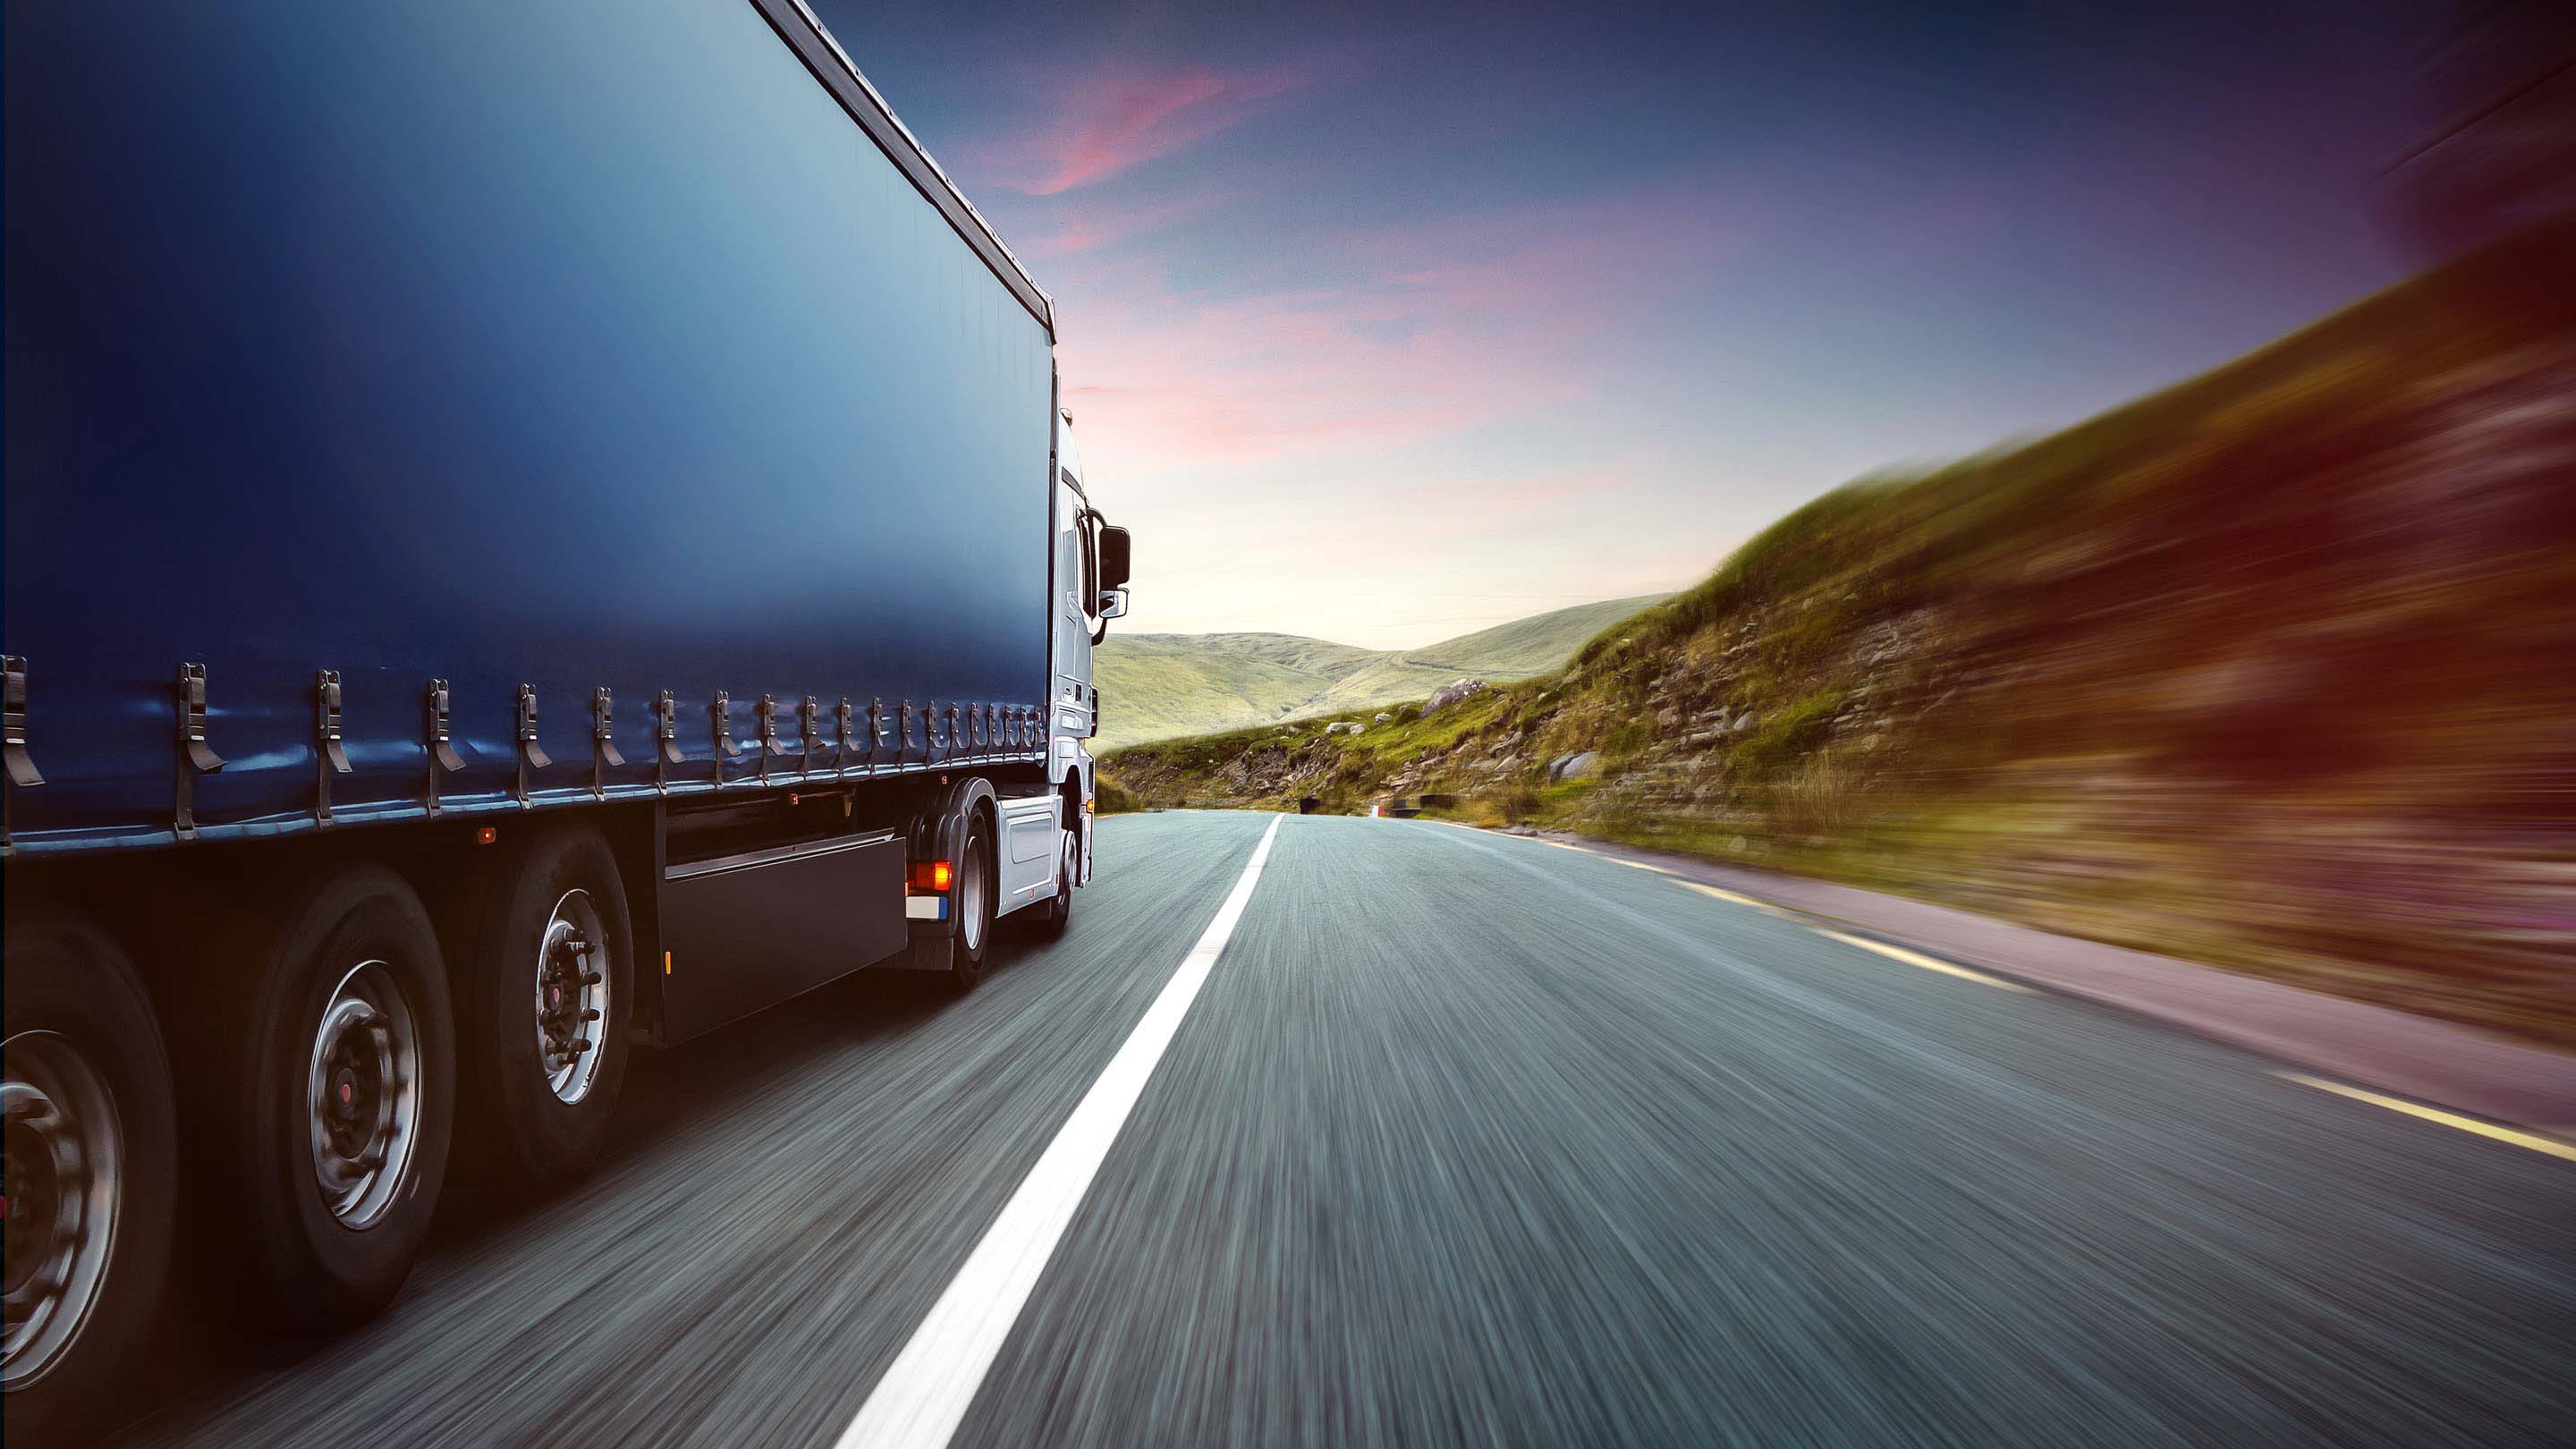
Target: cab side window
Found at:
x=1068, y=559
x=1090, y=546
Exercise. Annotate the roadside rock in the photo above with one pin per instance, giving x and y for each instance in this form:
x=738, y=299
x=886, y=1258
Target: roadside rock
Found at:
x=1580, y=765
x=1449, y=694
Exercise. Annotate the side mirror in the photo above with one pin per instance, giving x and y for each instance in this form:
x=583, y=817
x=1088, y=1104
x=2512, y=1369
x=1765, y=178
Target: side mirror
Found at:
x=1113, y=605
x=1113, y=559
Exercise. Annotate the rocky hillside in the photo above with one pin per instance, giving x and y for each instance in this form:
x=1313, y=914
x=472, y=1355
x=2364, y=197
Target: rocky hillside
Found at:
x=2276, y=669
x=1157, y=686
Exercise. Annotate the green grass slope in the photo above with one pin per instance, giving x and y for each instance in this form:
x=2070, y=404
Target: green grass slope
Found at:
x=1158, y=686
x=1527, y=647
x=2273, y=669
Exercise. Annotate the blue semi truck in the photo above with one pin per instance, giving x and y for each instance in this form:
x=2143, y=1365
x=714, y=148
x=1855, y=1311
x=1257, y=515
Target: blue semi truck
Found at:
x=532, y=530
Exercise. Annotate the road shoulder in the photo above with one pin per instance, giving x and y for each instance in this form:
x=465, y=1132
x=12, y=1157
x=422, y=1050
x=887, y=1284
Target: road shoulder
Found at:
x=2410, y=1056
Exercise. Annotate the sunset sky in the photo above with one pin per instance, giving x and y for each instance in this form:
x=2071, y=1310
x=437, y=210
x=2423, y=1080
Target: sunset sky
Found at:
x=1383, y=330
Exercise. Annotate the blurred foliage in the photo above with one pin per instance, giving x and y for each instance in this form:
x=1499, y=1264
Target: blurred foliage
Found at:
x=2274, y=669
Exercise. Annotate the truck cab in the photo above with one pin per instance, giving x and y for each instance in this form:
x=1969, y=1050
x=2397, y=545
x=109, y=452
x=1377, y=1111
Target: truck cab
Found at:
x=1091, y=568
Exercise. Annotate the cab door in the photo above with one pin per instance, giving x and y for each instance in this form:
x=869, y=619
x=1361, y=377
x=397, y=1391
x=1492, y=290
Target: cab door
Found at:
x=1077, y=601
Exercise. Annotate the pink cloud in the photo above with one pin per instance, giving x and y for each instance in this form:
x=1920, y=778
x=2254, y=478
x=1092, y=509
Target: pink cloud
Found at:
x=1105, y=124
x=1182, y=382
x=1443, y=326
x=1085, y=229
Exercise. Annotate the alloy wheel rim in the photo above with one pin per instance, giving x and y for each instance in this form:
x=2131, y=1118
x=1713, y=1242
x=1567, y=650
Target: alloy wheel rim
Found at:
x=362, y=1094
x=970, y=893
x=572, y=996
x=64, y=1172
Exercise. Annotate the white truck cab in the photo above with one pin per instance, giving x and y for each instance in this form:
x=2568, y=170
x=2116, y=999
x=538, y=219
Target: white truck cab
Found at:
x=1091, y=571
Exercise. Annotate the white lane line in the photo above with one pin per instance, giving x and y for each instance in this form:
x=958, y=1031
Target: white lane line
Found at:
x=1917, y=958
x=918, y=1404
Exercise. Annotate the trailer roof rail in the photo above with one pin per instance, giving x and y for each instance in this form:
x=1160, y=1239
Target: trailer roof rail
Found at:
x=813, y=43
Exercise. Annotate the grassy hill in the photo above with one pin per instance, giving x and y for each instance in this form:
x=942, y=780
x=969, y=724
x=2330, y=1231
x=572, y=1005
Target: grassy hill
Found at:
x=1157, y=686
x=2273, y=669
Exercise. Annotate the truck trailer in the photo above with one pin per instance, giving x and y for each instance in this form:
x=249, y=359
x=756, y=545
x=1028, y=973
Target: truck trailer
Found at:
x=532, y=531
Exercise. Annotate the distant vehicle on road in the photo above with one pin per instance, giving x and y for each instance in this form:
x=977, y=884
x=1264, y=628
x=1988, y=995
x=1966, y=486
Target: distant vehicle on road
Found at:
x=530, y=531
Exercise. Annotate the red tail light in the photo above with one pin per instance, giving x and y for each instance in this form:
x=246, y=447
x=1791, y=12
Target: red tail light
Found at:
x=930, y=875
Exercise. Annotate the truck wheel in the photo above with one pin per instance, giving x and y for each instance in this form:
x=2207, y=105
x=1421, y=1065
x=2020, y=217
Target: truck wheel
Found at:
x=545, y=1009
x=974, y=898
x=91, y=1166
x=1050, y=919
x=338, y=1139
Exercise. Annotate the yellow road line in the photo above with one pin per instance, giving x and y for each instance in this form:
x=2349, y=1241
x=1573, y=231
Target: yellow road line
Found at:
x=1916, y=958
x=1731, y=898
x=1588, y=850
x=1533, y=839
x=2537, y=1143
x=1561, y=845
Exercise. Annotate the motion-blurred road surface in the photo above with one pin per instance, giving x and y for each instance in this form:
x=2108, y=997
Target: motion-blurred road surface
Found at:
x=1468, y=1140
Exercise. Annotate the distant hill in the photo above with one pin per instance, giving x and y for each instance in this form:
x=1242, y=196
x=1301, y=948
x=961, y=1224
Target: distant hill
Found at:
x=1157, y=686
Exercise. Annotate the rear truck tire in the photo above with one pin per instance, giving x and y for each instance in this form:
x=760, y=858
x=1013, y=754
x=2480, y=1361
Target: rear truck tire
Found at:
x=978, y=880
x=543, y=1010
x=92, y=1169
x=1050, y=920
x=336, y=1145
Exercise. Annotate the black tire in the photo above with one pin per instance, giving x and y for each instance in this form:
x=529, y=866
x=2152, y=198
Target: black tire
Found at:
x=517, y=1123
x=312, y=1269
x=974, y=942
x=68, y=980
x=1050, y=920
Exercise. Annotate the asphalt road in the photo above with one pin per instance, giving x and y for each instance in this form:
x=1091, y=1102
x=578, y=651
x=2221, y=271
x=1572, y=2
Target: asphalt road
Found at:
x=1470, y=1140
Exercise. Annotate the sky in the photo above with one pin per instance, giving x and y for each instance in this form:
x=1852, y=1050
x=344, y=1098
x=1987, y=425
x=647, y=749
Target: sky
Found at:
x=1382, y=324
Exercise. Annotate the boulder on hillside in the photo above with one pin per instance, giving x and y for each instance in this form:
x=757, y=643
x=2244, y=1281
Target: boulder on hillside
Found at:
x=1336, y=727
x=1383, y=717
x=1579, y=765
x=1449, y=694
